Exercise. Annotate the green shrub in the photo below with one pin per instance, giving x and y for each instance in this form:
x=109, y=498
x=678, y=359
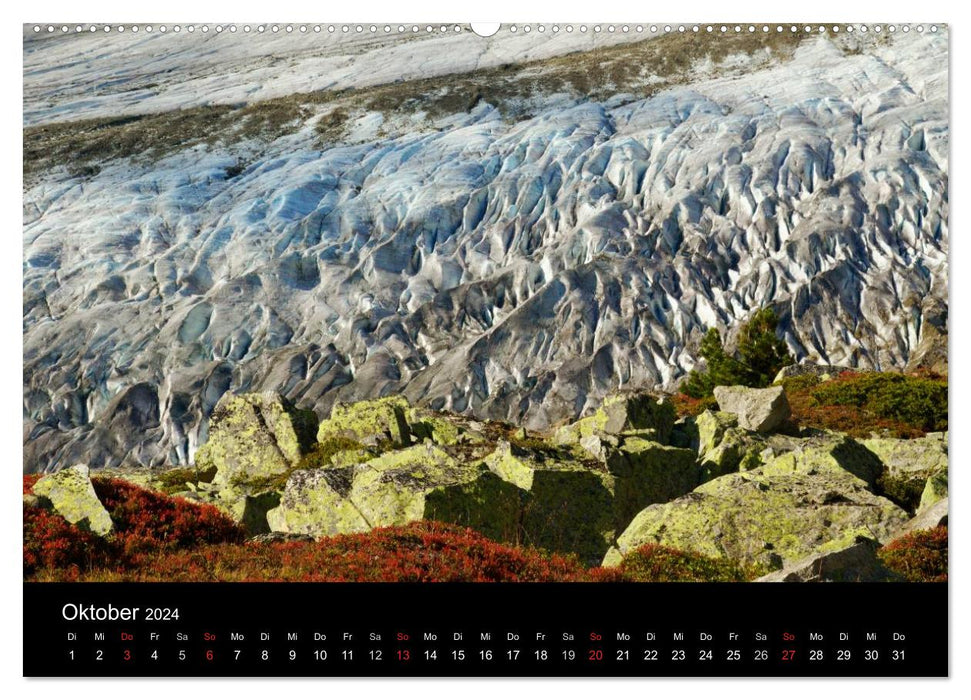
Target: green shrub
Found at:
x=917, y=401
x=919, y=556
x=761, y=354
x=799, y=383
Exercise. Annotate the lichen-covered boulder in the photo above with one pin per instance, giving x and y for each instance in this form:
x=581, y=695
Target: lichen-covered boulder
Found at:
x=723, y=447
x=773, y=515
x=837, y=561
x=737, y=449
x=824, y=454
x=647, y=472
x=598, y=446
x=72, y=495
x=255, y=436
x=424, y=482
x=621, y=413
x=316, y=502
x=569, y=505
x=711, y=427
x=909, y=464
x=250, y=510
x=822, y=372
x=934, y=516
x=761, y=410
x=381, y=422
x=935, y=490
x=441, y=428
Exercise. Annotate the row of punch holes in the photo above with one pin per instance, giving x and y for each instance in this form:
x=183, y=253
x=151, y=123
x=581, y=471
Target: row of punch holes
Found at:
x=512, y=28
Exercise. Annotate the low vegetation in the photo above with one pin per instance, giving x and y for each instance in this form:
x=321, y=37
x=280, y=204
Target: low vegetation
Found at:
x=656, y=564
x=896, y=404
x=919, y=556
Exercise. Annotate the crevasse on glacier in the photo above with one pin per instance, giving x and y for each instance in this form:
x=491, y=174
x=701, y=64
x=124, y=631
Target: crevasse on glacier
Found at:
x=514, y=270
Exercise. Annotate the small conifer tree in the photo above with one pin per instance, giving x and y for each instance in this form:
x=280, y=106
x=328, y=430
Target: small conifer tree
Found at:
x=761, y=354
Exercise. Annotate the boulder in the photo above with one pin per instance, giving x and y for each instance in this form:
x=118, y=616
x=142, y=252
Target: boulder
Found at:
x=855, y=561
x=253, y=437
x=822, y=372
x=568, y=505
x=622, y=413
x=647, y=472
x=933, y=516
x=935, y=490
x=381, y=422
x=598, y=446
x=421, y=482
x=761, y=410
x=425, y=483
x=425, y=425
x=737, y=449
x=711, y=428
x=249, y=510
x=723, y=447
x=315, y=502
x=908, y=465
x=775, y=514
x=823, y=454
x=72, y=495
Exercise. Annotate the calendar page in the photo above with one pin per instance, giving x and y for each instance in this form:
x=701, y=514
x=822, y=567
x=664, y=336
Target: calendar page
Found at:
x=545, y=349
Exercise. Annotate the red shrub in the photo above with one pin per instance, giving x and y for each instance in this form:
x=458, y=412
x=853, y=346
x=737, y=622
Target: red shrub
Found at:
x=29, y=481
x=685, y=405
x=424, y=551
x=147, y=520
x=51, y=542
x=919, y=556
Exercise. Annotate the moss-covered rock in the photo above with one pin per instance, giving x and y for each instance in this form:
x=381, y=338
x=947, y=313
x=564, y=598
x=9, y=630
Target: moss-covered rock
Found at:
x=255, y=436
x=569, y=505
x=935, y=515
x=315, y=502
x=72, y=495
x=647, y=472
x=737, y=449
x=855, y=560
x=621, y=413
x=827, y=454
x=724, y=447
x=711, y=428
x=776, y=514
x=422, y=482
x=908, y=465
x=249, y=510
x=425, y=483
x=935, y=490
x=348, y=458
x=426, y=425
x=379, y=422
